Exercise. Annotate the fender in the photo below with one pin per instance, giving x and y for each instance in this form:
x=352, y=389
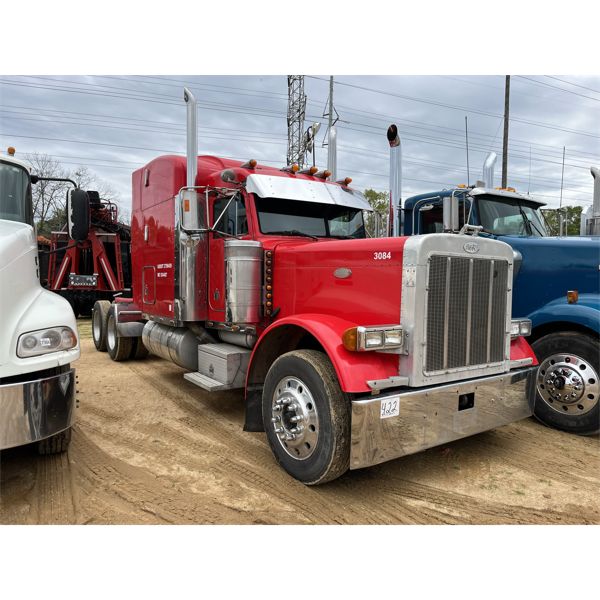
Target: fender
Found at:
x=585, y=313
x=353, y=369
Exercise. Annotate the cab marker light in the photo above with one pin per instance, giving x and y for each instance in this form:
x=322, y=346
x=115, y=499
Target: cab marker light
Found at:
x=347, y=181
x=310, y=171
x=251, y=164
x=572, y=296
x=323, y=174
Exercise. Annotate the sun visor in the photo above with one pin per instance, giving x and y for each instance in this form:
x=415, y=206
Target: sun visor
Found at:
x=267, y=186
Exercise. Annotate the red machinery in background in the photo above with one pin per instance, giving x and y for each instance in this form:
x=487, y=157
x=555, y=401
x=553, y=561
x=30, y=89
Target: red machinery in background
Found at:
x=95, y=268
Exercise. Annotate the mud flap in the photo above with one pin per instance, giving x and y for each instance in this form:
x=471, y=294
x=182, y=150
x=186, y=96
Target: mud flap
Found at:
x=253, y=418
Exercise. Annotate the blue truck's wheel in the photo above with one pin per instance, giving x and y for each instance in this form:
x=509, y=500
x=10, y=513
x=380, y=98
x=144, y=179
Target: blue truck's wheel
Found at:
x=567, y=385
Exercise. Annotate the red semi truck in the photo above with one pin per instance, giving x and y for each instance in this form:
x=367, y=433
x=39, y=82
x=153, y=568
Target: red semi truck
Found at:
x=262, y=279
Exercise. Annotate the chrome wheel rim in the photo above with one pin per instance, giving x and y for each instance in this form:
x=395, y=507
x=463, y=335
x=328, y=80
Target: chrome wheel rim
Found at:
x=97, y=325
x=294, y=418
x=568, y=384
x=111, y=337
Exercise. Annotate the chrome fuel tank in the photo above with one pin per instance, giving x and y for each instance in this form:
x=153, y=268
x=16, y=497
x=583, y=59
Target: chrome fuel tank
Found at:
x=243, y=273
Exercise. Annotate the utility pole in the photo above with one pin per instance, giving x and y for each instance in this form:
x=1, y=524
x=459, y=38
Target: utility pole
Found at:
x=505, y=144
x=331, y=134
x=467, y=142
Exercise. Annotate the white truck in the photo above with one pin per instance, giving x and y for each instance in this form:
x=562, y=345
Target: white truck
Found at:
x=38, y=331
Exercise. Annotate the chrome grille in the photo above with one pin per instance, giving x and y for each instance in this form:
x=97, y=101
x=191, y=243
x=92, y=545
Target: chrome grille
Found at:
x=466, y=312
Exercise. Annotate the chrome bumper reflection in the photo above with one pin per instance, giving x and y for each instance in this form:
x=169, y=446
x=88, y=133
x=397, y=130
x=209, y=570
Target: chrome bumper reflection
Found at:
x=35, y=410
x=429, y=417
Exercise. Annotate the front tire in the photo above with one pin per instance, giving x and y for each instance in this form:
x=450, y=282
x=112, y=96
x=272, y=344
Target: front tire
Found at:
x=567, y=386
x=119, y=348
x=99, y=323
x=307, y=417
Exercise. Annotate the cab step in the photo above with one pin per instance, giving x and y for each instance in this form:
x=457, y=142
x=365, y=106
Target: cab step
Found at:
x=220, y=367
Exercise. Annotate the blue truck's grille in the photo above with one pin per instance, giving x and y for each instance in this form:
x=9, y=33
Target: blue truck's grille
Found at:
x=466, y=312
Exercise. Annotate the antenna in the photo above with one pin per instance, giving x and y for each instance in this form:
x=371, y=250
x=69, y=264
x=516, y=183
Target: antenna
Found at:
x=467, y=141
x=295, y=119
x=562, y=176
x=529, y=182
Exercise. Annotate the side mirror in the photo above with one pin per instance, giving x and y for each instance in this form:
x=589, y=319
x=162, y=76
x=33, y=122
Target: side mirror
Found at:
x=78, y=214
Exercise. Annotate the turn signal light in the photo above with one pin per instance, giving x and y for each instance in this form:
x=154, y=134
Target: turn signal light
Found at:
x=349, y=339
x=572, y=296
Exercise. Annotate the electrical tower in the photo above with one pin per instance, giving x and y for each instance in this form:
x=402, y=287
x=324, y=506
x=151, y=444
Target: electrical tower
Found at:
x=295, y=120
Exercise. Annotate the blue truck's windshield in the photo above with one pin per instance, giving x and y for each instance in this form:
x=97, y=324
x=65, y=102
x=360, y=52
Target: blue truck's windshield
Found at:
x=15, y=194
x=510, y=217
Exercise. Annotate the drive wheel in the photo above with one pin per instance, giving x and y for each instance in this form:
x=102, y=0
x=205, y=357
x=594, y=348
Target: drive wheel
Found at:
x=567, y=386
x=99, y=323
x=56, y=444
x=307, y=417
x=119, y=348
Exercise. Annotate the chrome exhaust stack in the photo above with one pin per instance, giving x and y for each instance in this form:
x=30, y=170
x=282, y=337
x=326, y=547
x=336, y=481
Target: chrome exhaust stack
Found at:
x=395, y=180
x=593, y=220
x=192, y=138
x=488, y=169
x=332, y=153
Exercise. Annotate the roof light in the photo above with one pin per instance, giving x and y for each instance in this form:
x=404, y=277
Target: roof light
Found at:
x=251, y=164
x=291, y=168
x=572, y=296
x=461, y=186
x=11, y=151
x=310, y=171
x=323, y=174
x=346, y=181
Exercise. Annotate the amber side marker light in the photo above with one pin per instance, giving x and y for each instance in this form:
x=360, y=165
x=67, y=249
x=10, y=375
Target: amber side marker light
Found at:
x=572, y=296
x=349, y=339
x=11, y=151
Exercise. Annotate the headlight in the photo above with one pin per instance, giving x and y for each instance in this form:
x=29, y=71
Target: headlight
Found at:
x=380, y=337
x=520, y=327
x=44, y=341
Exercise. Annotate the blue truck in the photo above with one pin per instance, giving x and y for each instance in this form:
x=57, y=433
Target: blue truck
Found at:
x=556, y=284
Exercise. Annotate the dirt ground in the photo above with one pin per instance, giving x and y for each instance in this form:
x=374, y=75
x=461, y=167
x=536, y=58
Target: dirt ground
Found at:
x=150, y=447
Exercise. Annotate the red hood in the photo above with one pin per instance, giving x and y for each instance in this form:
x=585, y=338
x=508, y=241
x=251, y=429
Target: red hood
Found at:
x=340, y=278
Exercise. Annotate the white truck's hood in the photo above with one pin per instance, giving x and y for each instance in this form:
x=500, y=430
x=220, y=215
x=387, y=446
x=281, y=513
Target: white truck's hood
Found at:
x=24, y=304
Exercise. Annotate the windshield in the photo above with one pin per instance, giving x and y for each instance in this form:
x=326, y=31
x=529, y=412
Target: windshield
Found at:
x=15, y=194
x=298, y=217
x=510, y=217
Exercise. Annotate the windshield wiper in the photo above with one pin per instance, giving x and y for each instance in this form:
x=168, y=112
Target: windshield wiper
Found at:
x=292, y=232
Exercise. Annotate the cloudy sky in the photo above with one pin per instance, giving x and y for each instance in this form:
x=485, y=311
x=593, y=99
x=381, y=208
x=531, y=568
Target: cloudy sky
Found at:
x=115, y=124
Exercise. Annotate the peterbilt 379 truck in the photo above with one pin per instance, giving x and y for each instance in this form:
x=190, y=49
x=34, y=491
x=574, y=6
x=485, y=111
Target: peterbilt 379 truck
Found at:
x=261, y=279
x=556, y=285
x=38, y=333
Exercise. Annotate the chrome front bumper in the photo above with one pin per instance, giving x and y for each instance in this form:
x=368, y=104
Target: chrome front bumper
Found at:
x=33, y=410
x=429, y=417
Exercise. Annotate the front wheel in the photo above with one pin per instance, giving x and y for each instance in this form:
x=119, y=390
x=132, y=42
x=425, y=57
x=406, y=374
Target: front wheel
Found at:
x=567, y=386
x=307, y=417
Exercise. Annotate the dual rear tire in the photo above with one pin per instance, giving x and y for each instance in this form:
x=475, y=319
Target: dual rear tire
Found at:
x=106, y=336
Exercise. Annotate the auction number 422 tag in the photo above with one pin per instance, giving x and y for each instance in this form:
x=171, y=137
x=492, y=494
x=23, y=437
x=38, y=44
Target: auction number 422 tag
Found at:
x=389, y=408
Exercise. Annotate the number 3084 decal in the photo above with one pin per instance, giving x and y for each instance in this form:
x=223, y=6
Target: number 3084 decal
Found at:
x=382, y=255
